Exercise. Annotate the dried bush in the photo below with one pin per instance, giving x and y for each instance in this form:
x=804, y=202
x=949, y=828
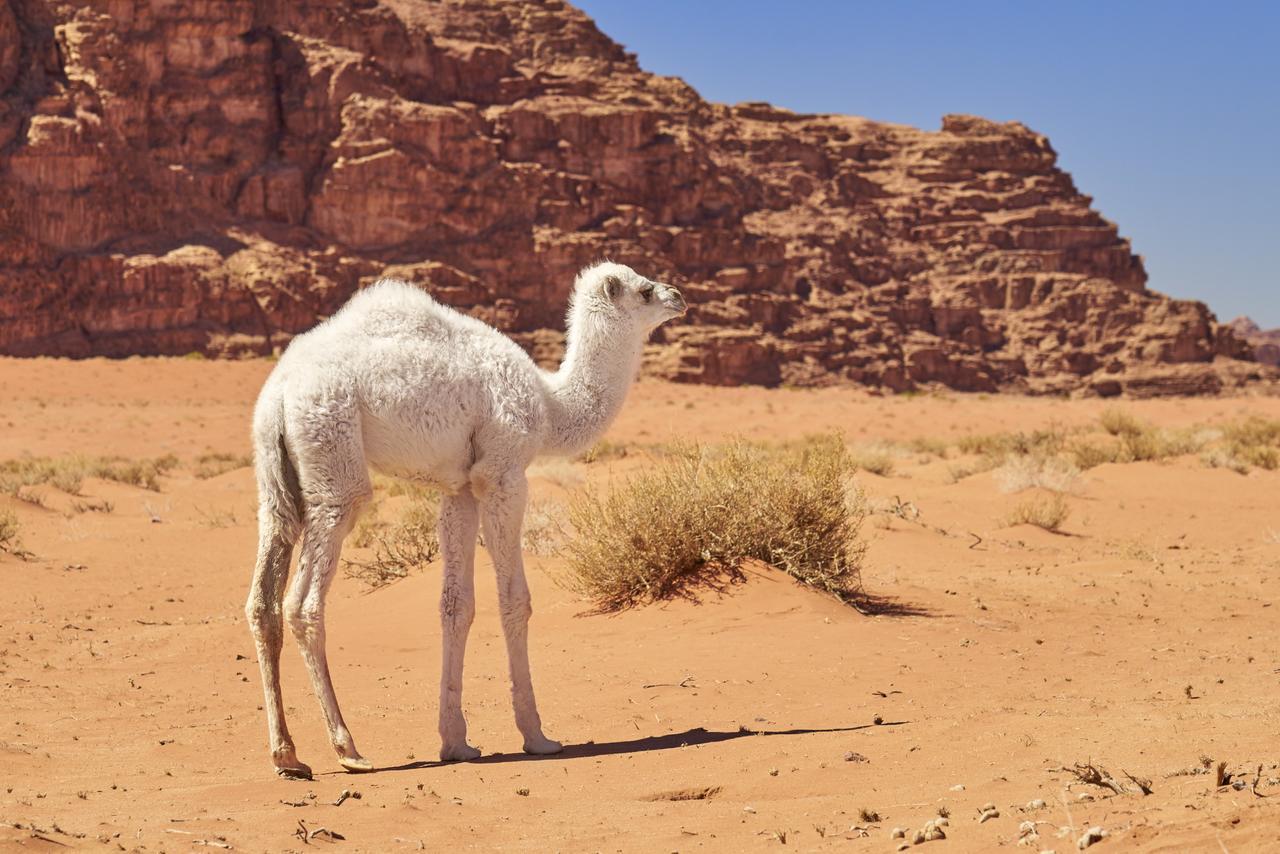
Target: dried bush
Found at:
x=605, y=449
x=68, y=473
x=212, y=465
x=876, y=459
x=1000, y=445
x=398, y=549
x=8, y=531
x=695, y=517
x=1117, y=422
x=1036, y=472
x=1048, y=511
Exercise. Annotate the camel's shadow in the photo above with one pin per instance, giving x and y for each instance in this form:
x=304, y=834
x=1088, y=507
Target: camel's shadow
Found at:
x=690, y=737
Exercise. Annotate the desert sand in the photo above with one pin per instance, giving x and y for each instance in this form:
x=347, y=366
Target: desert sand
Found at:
x=1142, y=638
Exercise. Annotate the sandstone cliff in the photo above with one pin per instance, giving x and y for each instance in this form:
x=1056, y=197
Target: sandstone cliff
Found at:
x=1265, y=342
x=215, y=175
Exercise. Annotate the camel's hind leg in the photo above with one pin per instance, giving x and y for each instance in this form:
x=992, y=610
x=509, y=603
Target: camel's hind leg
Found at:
x=326, y=525
x=459, y=522
x=275, y=544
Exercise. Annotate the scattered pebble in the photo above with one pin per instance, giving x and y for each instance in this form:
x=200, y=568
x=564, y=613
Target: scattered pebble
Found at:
x=898, y=833
x=855, y=757
x=958, y=787
x=749, y=809
x=1036, y=804
x=877, y=720
x=987, y=813
x=903, y=847
x=1092, y=835
x=1084, y=796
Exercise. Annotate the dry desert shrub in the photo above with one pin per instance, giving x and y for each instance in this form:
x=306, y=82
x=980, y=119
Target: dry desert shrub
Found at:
x=8, y=530
x=68, y=473
x=929, y=445
x=1117, y=422
x=212, y=465
x=876, y=459
x=1048, y=511
x=1253, y=441
x=1028, y=471
x=543, y=533
x=698, y=515
x=1000, y=445
x=398, y=548
x=605, y=449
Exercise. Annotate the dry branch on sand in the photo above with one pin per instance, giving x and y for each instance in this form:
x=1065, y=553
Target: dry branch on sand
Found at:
x=410, y=543
x=695, y=518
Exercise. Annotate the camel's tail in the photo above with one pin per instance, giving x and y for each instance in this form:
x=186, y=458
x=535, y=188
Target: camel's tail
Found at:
x=279, y=492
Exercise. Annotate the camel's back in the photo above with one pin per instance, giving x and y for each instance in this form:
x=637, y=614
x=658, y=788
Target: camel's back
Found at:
x=425, y=378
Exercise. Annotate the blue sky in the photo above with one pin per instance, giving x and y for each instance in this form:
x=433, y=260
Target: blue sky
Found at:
x=1167, y=113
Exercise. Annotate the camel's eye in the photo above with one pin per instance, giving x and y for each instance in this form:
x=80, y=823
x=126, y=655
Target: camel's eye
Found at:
x=646, y=291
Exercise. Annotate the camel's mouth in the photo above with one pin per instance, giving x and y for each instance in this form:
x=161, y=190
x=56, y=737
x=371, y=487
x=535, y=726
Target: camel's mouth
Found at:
x=674, y=300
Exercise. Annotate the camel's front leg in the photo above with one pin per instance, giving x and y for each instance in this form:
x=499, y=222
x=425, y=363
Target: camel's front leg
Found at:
x=459, y=520
x=502, y=514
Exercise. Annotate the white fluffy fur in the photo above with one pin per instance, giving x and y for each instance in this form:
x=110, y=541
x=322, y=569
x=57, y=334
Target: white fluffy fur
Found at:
x=399, y=382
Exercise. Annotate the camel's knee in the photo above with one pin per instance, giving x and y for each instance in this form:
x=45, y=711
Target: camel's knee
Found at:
x=517, y=608
x=265, y=620
x=304, y=619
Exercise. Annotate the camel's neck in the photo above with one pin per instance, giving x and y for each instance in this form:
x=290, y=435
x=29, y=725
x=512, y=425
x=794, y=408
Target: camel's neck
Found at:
x=587, y=392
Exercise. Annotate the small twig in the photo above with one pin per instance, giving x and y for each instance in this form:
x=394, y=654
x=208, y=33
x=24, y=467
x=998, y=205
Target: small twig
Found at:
x=977, y=541
x=1096, y=776
x=1143, y=784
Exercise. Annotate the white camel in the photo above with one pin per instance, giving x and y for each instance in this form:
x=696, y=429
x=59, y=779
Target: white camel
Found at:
x=399, y=382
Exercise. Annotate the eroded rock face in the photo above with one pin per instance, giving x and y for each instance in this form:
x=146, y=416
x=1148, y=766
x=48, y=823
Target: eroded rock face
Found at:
x=1265, y=342
x=216, y=175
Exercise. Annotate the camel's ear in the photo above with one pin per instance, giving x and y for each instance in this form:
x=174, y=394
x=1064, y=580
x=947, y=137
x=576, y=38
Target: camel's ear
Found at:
x=613, y=288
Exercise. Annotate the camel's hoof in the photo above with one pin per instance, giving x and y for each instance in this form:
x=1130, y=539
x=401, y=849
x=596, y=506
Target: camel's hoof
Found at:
x=355, y=764
x=296, y=771
x=461, y=753
x=542, y=747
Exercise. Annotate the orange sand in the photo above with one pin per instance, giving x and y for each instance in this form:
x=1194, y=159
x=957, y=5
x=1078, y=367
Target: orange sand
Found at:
x=1142, y=639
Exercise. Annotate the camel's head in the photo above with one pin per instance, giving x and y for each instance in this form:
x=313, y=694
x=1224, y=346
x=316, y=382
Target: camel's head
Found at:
x=615, y=293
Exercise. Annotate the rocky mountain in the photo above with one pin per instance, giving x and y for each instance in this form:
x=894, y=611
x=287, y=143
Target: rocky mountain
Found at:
x=1265, y=342
x=216, y=175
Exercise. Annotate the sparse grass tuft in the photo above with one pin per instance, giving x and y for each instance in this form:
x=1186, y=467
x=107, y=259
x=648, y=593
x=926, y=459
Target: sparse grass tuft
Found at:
x=410, y=543
x=1088, y=454
x=696, y=517
x=929, y=445
x=605, y=449
x=876, y=459
x=1031, y=472
x=1048, y=511
x=212, y=465
x=1000, y=445
x=1117, y=422
x=68, y=473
